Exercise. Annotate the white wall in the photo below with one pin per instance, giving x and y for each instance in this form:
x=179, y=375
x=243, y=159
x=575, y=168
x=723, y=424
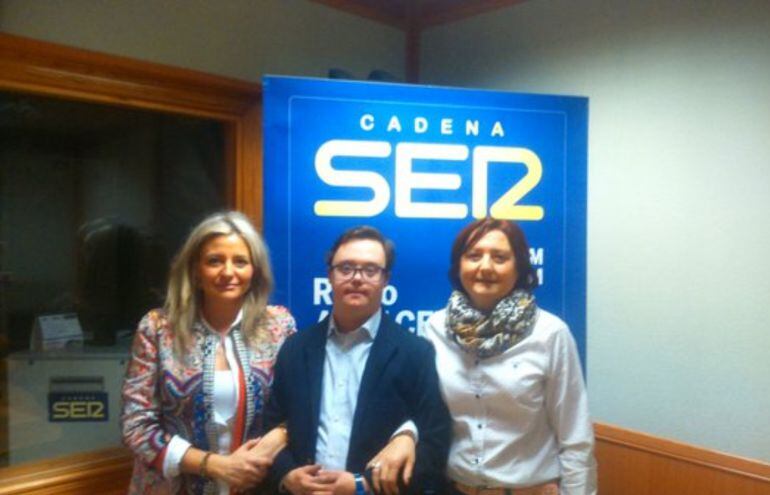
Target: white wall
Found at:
x=679, y=196
x=238, y=38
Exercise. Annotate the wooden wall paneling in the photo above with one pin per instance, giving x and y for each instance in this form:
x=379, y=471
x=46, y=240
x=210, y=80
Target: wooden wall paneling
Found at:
x=428, y=13
x=106, y=471
x=40, y=68
x=380, y=13
x=461, y=10
x=32, y=66
x=630, y=463
x=634, y=463
x=248, y=181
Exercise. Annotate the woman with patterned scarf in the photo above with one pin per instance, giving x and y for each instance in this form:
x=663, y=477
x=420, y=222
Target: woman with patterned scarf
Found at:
x=510, y=375
x=201, y=368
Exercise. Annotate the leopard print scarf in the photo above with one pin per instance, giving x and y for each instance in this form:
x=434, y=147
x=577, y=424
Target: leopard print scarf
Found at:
x=486, y=335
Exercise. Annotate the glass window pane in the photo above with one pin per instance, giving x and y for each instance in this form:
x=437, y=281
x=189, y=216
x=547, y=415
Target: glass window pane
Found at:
x=93, y=202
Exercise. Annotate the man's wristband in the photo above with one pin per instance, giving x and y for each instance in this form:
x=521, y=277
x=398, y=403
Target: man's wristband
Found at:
x=360, y=487
x=368, y=475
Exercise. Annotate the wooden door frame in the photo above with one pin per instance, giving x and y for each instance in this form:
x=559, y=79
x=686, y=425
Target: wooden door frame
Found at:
x=39, y=68
x=36, y=67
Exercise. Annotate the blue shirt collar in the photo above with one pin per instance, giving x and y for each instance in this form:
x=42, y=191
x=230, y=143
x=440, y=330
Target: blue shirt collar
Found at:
x=370, y=326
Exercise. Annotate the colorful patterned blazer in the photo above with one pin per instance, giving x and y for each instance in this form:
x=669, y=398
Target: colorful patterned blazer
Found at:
x=165, y=395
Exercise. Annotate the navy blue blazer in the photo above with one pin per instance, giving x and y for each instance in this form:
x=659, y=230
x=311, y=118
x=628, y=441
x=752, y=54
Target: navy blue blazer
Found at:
x=399, y=383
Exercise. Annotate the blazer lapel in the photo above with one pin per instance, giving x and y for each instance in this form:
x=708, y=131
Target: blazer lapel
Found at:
x=382, y=351
x=314, y=362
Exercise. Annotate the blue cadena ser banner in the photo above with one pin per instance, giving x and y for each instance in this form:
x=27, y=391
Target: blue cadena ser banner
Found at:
x=419, y=163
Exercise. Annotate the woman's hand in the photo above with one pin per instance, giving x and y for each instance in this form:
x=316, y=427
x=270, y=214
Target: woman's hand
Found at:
x=398, y=454
x=272, y=443
x=242, y=469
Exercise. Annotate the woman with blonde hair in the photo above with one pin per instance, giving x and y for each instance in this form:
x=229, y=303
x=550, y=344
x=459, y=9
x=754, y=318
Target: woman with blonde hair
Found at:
x=201, y=367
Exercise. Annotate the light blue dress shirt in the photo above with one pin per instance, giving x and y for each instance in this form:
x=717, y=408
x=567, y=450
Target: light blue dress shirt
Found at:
x=346, y=356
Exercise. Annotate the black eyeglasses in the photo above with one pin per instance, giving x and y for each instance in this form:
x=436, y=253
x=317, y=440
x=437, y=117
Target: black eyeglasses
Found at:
x=369, y=272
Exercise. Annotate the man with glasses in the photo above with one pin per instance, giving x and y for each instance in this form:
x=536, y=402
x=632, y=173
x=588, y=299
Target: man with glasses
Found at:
x=344, y=386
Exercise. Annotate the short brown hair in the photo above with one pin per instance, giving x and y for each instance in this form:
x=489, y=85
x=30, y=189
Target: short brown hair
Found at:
x=472, y=233
x=364, y=232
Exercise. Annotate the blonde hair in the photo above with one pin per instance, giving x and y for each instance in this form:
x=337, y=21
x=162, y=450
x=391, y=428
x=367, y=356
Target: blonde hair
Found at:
x=183, y=299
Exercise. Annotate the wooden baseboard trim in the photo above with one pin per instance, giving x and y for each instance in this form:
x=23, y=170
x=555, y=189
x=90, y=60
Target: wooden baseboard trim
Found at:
x=101, y=471
x=108, y=471
x=691, y=454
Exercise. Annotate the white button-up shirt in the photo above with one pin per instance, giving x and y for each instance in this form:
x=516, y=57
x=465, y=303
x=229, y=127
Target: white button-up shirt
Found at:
x=346, y=356
x=520, y=418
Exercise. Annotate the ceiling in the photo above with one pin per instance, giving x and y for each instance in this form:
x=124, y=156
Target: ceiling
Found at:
x=416, y=14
